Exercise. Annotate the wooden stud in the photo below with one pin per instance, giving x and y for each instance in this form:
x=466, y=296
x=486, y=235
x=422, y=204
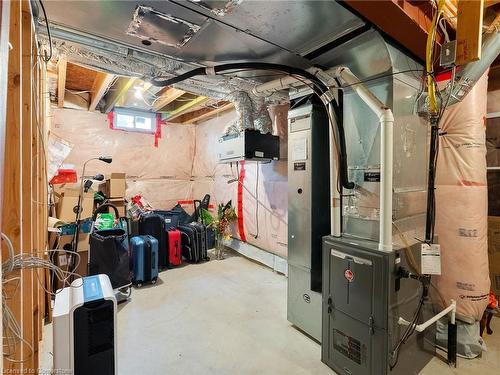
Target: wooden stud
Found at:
x=469, y=30
x=61, y=81
x=166, y=98
x=11, y=215
x=26, y=186
x=186, y=107
x=99, y=88
x=36, y=318
x=122, y=85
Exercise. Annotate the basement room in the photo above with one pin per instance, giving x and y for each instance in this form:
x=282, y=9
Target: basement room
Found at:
x=250, y=187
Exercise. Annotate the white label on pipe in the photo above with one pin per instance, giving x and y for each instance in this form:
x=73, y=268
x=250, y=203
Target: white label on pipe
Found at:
x=430, y=257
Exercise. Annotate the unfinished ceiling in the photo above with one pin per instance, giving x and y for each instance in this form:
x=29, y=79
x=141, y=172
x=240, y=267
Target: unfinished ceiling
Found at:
x=126, y=43
x=211, y=31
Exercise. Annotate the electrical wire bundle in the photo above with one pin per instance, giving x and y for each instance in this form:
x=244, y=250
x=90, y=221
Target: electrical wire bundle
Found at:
x=12, y=331
x=436, y=109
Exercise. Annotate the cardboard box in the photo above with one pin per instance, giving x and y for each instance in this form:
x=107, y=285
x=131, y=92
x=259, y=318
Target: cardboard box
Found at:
x=68, y=199
x=494, y=252
x=115, y=185
x=62, y=260
x=65, y=241
x=494, y=235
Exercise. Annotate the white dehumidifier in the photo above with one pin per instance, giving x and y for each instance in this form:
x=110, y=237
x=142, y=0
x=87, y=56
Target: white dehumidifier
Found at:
x=84, y=329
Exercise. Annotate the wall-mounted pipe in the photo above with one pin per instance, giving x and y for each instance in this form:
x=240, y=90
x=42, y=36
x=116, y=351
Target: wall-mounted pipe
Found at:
x=386, y=120
x=268, y=88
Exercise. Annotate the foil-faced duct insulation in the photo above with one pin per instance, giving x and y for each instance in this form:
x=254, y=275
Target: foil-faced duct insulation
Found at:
x=146, y=66
x=250, y=114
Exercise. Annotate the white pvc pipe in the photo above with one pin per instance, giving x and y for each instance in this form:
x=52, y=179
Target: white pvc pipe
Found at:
x=386, y=120
x=421, y=327
x=266, y=89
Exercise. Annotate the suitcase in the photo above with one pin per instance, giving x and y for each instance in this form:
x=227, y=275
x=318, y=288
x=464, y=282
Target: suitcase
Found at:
x=174, y=247
x=202, y=240
x=144, y=259
x=189, y=243
x=172, y=219
x=153, y=224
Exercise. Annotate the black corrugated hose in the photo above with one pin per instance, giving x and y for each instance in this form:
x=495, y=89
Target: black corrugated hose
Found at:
x=317, y=86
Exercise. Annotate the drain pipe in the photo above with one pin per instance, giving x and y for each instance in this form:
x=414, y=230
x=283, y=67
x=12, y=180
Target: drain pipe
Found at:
x=386, y=119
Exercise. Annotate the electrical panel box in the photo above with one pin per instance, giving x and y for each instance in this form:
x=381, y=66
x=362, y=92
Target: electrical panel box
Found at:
x=248, y=145
x=362, y=302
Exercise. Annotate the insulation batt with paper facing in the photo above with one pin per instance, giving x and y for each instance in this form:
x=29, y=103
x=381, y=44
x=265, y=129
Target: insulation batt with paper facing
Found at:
x=185, y=166
x=462, y=206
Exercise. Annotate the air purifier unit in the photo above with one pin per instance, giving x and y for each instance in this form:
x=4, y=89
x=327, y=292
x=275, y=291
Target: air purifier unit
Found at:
x=84, y=330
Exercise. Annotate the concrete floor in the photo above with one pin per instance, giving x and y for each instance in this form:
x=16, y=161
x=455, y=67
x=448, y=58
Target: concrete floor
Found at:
x=229, y=317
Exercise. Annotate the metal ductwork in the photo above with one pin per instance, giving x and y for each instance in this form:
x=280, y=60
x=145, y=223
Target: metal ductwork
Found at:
x=471, y=72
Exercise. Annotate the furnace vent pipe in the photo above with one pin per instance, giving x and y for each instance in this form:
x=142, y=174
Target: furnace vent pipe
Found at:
x=284, y=83
x=386, y=120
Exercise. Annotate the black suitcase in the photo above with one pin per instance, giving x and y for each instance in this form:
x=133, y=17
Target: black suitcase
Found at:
x=172, y=218
x=202, y=240
x=189, y=243
x=154, y=225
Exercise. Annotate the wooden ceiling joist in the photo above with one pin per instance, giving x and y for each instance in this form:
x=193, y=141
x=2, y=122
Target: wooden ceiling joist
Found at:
x=204, y=113
x=489, y=3
x=186, y=107
x=122, y=85
x=405, y=21
x=61, y=81
x=101, y=85
x=166, y=98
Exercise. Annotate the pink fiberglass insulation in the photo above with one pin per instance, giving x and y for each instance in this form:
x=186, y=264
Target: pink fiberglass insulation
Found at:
x=462, y=206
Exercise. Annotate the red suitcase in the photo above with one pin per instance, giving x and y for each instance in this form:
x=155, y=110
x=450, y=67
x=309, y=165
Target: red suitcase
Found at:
x=174, y=247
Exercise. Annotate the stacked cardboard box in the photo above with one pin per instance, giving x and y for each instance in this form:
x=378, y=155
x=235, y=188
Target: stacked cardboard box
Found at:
x=62, y=242
x=68, y=199
x=494, y=253
x=493, y=160
x=114, y=189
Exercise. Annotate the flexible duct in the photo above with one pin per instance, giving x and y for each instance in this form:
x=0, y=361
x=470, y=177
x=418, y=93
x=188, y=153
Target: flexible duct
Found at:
x=244, y=113
x=250, y=114
x=472, y=72
x=462, y=205
x=262, y=121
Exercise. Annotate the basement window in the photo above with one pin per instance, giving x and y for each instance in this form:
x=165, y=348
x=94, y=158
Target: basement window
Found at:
x=130, y=120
